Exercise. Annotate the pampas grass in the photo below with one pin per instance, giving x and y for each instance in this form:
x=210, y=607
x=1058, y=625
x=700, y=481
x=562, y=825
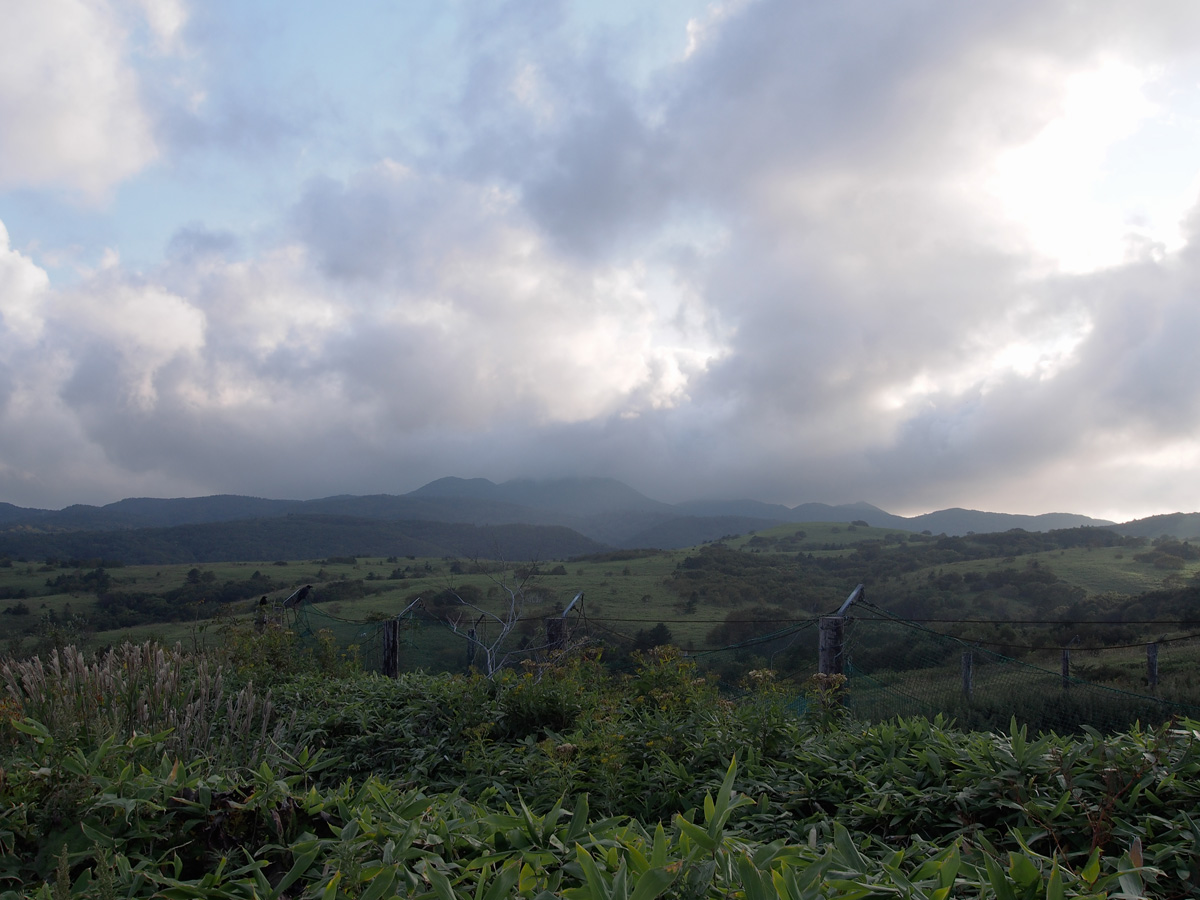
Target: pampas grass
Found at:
x=139, y=689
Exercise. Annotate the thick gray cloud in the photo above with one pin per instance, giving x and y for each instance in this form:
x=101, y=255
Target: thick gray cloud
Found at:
x=774, y=265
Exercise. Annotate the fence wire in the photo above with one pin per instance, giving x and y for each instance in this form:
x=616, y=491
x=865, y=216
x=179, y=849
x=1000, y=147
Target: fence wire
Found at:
x=429, y=643
x=895, y=667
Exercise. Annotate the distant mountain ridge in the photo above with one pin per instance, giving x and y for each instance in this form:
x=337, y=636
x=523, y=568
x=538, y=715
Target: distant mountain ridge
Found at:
x=1179, y=525
x=565, y=495
x=604, y=511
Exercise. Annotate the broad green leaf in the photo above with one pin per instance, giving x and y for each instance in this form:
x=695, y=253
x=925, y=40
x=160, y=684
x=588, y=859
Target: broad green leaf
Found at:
x=35, y=729
x=846, y=849
x=527, y=877
x=381, y=886
x=658, y=855
x=531, y=829
x=578, y=828
x=652, y=882
x=949, y=868
x=595, y=880
x=697, y=834
x=757, y=885
x=1131, y=883
x=1062, y=805
x=1023, y=871
x=101, y=838
x=331, y=888
x=637, y=860
x=1091, y=871
x=502, y=885
x=1001, y=886
x=620, y=882
x=302, y=862
x=440, y=883
x=1054, y=887
x=850, y=890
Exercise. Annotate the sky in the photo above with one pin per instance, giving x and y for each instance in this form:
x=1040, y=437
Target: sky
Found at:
x=920, y=253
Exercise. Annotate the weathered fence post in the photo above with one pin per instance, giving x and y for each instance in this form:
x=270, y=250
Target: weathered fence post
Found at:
x=831, y=643
x=556, y=626
x=556, y=633
x=968, y=674
x=1152, y=664
x=1066, y=668
x=391, y=648
x=470, y=648
x=831, y=639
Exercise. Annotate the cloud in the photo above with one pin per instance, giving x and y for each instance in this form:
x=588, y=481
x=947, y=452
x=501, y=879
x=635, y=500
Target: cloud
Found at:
x=165, y=19
x=553, y=117
x=405, y=313
x=477, y=298
x=895, y=335
x=777, y=265
x=22, y=289
x=70, y=97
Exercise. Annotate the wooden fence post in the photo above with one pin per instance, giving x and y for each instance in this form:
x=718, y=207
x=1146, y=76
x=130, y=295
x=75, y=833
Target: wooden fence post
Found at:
x=391, y=648
x=1152, y=664
x=1066, y=668
x=556, y=633
x=968, y=674
x=830, y=646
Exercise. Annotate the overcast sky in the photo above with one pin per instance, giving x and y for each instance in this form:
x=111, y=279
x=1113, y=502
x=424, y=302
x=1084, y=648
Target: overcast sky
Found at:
x=922, y=253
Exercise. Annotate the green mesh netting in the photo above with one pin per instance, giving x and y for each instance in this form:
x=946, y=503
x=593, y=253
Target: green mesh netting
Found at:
x=428, y=643
x=896, y=667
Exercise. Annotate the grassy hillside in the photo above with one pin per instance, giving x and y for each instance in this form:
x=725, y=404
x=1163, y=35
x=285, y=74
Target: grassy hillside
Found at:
x=1017, y=593
x=808, y=569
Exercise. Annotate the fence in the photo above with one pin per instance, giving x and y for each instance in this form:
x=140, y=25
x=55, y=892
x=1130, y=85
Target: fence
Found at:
x=898, y=667
x=418, y=640
x=895, y=667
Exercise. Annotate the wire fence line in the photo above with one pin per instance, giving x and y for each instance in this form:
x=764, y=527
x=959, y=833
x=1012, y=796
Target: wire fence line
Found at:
x=900, y=667
x=893, y=666
x=429, y=642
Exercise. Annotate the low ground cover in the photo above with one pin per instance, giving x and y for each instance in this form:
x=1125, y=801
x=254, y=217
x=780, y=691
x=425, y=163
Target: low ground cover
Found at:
x=135, y=774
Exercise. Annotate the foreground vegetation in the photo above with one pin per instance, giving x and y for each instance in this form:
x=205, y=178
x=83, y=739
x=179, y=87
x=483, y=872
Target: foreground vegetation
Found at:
x=150, y=771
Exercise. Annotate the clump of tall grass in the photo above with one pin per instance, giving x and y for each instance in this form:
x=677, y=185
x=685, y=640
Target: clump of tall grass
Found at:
x=138, y=689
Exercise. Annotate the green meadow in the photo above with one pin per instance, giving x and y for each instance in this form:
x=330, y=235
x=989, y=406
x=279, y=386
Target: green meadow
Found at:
x=1021, y=594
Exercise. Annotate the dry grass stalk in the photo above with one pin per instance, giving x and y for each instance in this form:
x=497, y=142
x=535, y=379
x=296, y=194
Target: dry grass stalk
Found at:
x=140, y=689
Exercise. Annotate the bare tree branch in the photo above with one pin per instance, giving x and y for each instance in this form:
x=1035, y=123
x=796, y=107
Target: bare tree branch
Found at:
x=488, y=631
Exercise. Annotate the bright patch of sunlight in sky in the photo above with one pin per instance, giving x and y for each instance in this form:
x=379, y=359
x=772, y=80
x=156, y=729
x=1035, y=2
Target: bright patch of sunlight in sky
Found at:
x=1090, y=190
x=1180, y=455
x=1039, y=356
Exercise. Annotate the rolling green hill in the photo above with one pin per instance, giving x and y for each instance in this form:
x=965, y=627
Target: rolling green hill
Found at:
x=299, y=537
x=1016, y=591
